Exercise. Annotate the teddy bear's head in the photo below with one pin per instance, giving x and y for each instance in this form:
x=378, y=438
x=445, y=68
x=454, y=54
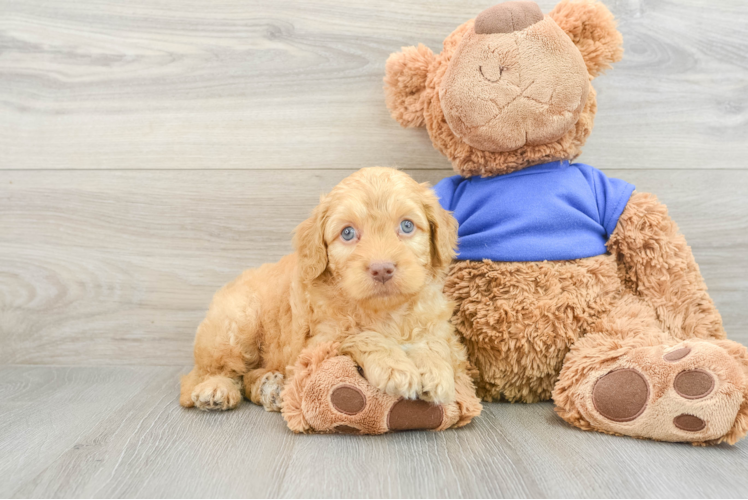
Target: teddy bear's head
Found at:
x=512, y=88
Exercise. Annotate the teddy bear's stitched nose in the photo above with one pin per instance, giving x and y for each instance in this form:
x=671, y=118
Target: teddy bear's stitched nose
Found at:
x=508, y=17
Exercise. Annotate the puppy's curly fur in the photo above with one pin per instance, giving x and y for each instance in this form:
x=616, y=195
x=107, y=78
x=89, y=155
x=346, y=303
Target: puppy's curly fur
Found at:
x=330, y=290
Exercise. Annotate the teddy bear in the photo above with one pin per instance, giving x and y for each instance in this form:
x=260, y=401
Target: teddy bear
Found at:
x=569, y=285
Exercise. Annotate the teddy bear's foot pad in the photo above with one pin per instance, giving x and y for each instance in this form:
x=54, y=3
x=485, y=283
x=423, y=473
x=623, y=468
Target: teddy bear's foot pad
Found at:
x=328, y=394
x=688, y=393
x=405, y=414
x=622, y=395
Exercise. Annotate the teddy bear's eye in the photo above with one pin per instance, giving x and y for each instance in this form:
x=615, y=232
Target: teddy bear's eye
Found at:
x=348, y=234
x=492, y=73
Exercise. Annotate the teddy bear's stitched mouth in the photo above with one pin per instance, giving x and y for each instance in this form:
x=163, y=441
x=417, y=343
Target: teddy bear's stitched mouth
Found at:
x=520, y=94
x=501, y=71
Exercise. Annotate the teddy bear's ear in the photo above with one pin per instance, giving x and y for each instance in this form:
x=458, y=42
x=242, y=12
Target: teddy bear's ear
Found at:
x=404, y=83
x=592, y=28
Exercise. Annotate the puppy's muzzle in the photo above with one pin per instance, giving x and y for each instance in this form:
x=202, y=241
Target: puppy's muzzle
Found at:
x=382, y=271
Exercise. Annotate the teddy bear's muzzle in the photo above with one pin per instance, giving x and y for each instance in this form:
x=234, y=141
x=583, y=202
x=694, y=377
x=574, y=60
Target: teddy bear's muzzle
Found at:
x=508, y=89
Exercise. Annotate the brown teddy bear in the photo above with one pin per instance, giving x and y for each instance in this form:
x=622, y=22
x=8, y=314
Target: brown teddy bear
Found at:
x=568, y=284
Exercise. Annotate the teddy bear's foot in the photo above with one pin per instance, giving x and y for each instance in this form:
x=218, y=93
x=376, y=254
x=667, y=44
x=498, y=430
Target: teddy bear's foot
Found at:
x=327, y=394
x=351, y=412
x=693, y=392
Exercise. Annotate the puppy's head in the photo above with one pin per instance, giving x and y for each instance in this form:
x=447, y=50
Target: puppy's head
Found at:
x=379, y=236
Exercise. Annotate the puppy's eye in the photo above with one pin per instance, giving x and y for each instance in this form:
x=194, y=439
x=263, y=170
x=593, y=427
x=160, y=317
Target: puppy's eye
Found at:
x=407, y=226
x=348, y=233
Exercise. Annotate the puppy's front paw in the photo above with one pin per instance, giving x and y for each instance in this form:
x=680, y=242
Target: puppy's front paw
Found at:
x=438, y=384
x=399, y=379
x=217, y=393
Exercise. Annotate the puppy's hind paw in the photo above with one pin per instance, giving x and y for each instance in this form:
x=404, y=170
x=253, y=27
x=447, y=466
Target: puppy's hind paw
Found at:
x=271, y=386
x=217, y=393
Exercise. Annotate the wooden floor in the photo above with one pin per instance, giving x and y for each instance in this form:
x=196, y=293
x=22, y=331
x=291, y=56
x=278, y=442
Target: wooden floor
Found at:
x=152, y=149
x=118, y=432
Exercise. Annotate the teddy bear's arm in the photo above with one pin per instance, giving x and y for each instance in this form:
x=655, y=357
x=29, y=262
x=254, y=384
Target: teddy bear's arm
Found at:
x=657, y=264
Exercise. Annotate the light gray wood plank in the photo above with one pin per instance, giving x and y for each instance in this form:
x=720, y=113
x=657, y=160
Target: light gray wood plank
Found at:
x=568, y=462
x=173, y=84
x=119, y=267
x=119, y=432
x=45, y=412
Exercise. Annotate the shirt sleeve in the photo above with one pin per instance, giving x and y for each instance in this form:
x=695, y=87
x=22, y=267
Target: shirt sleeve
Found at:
x=611, y=196
x=445, y=191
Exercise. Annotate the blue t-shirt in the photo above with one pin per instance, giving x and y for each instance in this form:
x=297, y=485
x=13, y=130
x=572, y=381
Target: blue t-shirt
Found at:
x=553, y=211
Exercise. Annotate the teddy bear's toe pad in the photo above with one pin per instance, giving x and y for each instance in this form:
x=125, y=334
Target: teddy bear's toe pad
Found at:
x=693, y=384
x=689, y=423
x=411, y=414
x=677, y=354
x=690, y=393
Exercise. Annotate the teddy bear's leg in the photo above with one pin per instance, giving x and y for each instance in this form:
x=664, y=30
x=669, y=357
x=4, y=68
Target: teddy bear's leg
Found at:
x=633, y=379
x=657, y=265
x=325, y=392
x=468, y=404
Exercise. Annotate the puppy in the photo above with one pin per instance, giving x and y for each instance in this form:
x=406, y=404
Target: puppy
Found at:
x=368, y=273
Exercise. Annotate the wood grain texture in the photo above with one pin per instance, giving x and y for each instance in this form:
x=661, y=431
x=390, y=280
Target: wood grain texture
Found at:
x=119, y=432
x=174, y=84
x=152, y=149
x=119, y=267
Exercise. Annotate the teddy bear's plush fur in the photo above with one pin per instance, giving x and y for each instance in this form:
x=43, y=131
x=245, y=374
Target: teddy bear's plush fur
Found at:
x=628, y=342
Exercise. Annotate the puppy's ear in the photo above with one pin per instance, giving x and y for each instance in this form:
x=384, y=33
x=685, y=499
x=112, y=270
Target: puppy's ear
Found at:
x=443, y=228
x=404, y=82
x=309, y=241
x=592, y=28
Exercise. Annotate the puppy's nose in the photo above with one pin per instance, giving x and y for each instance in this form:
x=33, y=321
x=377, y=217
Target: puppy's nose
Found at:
x=508, y=17
x=382, y=271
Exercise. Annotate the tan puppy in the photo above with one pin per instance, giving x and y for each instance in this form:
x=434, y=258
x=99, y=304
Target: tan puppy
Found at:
x=368, y=272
